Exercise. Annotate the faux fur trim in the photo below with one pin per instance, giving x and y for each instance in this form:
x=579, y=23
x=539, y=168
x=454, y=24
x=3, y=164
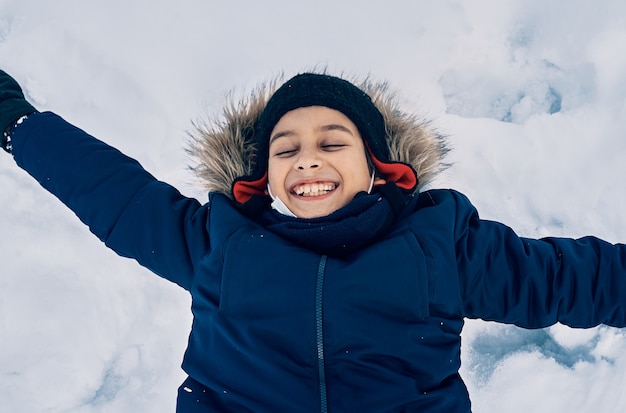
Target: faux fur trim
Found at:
x=222, y=147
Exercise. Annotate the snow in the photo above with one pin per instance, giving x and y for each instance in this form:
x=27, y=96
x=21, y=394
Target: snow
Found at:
x=531, y=93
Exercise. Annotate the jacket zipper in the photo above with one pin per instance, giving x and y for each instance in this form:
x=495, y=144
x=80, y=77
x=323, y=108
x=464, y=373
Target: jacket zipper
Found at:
x=319, y=327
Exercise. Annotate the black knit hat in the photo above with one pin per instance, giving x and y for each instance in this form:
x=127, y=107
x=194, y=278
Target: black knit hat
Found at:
x=311, y=89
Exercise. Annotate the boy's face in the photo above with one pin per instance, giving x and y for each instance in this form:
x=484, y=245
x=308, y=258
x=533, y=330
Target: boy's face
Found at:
x=317, y=161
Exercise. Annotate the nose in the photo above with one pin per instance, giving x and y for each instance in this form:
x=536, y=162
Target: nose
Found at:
x=303, y=166
x=308, y=159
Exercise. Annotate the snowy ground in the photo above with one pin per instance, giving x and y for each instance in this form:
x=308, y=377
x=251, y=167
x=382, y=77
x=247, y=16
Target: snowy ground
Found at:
x=531, y=92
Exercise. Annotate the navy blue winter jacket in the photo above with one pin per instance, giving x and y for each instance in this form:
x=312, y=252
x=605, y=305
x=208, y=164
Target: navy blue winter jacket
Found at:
x=279, y=328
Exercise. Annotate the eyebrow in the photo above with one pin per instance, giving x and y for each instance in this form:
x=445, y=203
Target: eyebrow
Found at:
x=324, y=128
x=333, y=126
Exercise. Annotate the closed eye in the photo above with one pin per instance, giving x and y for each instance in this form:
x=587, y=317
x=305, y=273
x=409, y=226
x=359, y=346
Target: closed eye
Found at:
x=285, y=153
x=333, y=147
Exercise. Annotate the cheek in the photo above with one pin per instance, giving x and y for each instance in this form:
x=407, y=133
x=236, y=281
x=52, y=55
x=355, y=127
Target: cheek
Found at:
x=363, y=182
x=275, y=177
x=359, y=174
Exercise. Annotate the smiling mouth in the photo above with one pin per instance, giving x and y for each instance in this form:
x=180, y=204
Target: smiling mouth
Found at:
x=315, y=189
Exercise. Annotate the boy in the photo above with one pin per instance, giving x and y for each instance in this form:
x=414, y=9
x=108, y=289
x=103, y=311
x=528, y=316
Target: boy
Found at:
x=321, y=278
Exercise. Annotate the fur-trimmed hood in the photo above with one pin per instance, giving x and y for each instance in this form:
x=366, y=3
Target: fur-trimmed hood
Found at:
x=223, y=148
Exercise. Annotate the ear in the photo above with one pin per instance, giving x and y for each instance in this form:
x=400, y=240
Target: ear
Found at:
x=379, y=181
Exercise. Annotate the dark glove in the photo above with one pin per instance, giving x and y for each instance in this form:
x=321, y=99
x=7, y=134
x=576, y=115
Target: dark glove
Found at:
x=12, y=105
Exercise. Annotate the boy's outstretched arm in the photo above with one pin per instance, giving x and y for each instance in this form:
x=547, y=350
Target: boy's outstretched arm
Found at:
x=125, y=206
x=13, y=106
x=535, y=283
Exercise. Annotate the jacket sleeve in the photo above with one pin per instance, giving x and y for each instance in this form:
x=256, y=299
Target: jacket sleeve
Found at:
x=126, y=207
x=535, y=283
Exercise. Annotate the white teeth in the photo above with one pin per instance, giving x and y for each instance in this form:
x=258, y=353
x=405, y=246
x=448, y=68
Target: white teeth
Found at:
x=315, y=189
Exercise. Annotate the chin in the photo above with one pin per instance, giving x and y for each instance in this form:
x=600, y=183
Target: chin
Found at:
x=314, y=213
x=309, y=209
